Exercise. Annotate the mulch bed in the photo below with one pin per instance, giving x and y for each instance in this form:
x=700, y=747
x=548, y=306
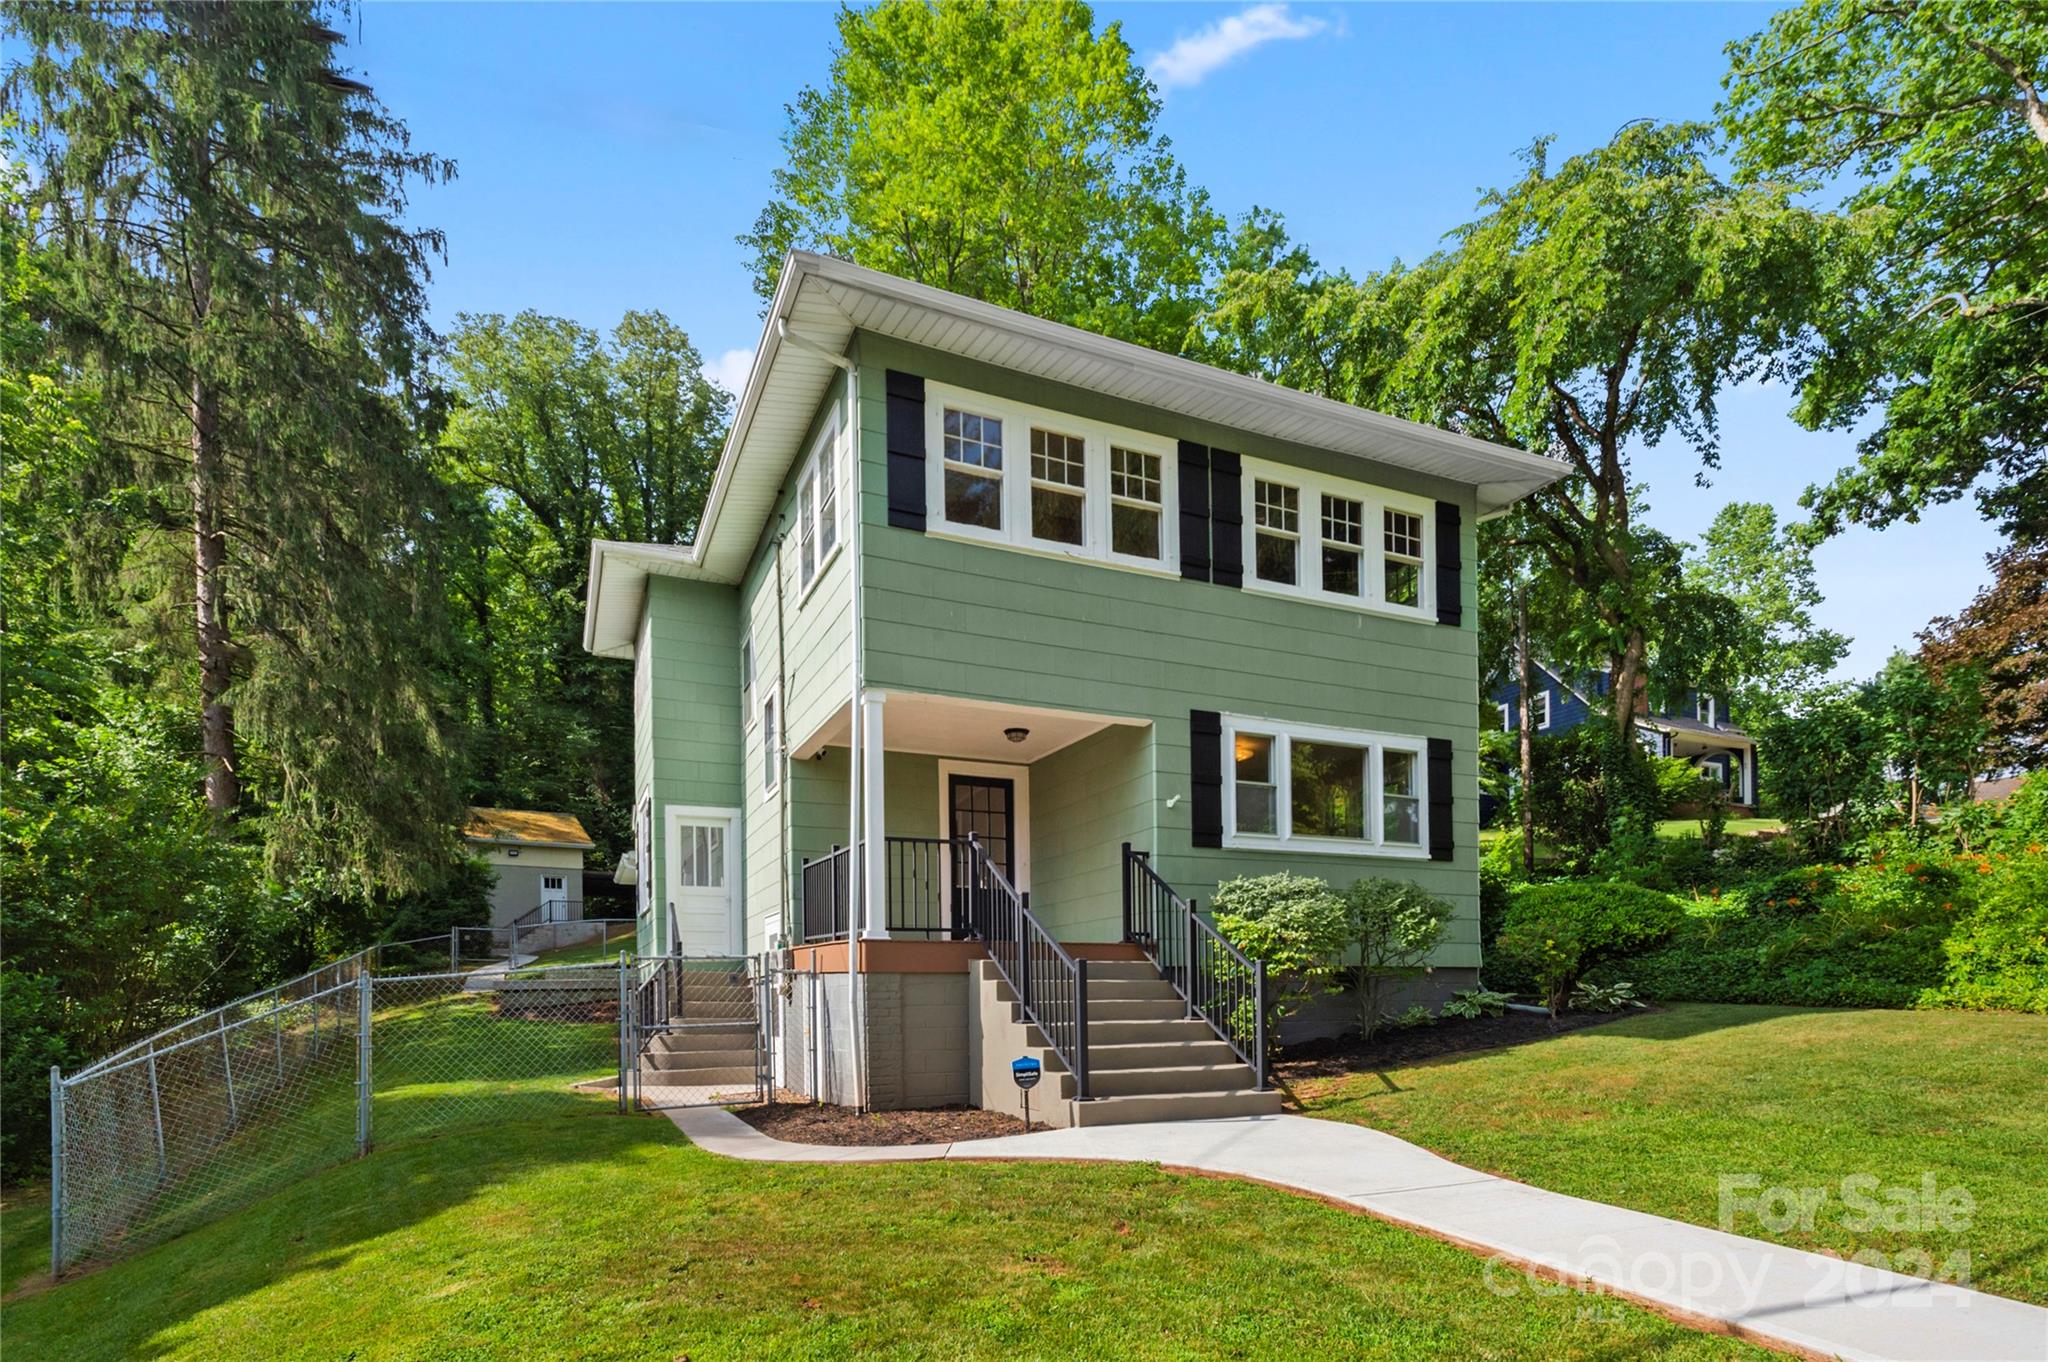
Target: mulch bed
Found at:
x=1336, y=1056
x=794, y=1118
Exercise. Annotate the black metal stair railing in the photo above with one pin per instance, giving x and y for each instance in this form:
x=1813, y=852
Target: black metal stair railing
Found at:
x=1219, y=983
x=1050, y=983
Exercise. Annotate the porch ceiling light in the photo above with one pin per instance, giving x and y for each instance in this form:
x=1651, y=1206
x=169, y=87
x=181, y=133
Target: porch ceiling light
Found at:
x=1016, y=734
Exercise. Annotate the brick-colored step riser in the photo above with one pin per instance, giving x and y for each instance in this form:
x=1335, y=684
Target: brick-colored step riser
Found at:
x=1191, y=1106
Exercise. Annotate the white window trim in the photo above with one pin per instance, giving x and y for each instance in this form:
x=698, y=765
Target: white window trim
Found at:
x=1016, y=480
x=750, y=686
x=1542, y=708
x=1283, y=733
x=771, y=769
x=827, y=457
x=1707, y=707
x=675, y=815
x=1020, y=780
x=1507, y=718
x=1308, y=585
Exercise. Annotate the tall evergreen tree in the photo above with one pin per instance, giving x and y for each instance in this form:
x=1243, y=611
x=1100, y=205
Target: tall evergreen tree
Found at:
x=227, y=208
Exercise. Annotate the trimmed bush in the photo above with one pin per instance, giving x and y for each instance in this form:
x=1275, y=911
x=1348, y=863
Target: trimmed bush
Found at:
x=1997, y=956
x=1394, y=924
x=1295, y=923
x=1559, y=931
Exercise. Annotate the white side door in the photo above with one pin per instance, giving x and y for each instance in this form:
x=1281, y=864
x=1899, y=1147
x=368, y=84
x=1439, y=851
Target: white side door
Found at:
x=554, y=898
x=703, y=881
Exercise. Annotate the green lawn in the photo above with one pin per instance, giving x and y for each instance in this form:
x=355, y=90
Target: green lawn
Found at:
x=601, y=1236
x=1650, y=1112
x=1737, y=827
x=618, y=936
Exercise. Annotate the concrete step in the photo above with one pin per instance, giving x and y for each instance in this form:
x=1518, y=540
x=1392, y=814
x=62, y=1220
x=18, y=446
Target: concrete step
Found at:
x=702, y=1058
x=1146, y=1032
x=1134, y=1009
x=1103, y=990
x=732, y=1076
x=1176, y=1106
x=1169, y=1054
x=1120, y=969
x=702, y=1041
x=697, y=1068
x=1186, y=1078
x=717, y=1010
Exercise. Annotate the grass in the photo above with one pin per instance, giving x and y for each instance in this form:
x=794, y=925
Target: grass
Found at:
x=1650, y=1112
x=596, y=1236
x=1737, y=827
x=602, y=951
x=24, y=1234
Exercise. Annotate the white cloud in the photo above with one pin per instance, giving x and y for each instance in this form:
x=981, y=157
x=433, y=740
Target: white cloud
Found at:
x=729, y=370
x=1190, y=60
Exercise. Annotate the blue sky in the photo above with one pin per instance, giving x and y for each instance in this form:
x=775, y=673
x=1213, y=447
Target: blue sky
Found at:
x=609, y=154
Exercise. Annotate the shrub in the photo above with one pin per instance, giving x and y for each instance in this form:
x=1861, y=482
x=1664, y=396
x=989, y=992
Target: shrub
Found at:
x=1997, y=955
x=1394, y=924
x=1592, y=997
x=1295, y=923
x=1559, y=931
x=29, y=1044
x=1469, y=1004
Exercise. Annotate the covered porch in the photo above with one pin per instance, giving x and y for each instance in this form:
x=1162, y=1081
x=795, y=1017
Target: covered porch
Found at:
x=1726, y=757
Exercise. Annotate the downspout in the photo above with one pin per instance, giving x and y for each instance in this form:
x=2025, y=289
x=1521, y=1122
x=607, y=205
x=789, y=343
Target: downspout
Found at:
x=856, y=921
x=781, y=755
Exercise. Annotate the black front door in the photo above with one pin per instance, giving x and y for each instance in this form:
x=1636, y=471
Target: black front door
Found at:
x=985, y=807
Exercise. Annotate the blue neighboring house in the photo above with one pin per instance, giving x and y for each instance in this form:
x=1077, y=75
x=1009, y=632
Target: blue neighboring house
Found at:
x=1697, y=730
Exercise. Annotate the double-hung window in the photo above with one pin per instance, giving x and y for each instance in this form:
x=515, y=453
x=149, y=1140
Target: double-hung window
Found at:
x=973, y=458
x=1059, y=487
x=1135, y=503
x=1276, y=537
x=1323, y=538
x=1306, y=787
x=771, y=738
x=1071, y=486
x=817, y=510
x=1540, y=706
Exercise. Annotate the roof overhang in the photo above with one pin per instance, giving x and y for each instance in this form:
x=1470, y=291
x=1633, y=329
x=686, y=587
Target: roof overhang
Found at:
x=821, y=302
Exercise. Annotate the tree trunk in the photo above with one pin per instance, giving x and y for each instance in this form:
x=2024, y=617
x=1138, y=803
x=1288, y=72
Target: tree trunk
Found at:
x=209, y=555
x=1628, y=683
x=1524, y=681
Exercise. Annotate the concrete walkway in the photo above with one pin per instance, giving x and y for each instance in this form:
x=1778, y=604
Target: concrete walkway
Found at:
x=1805, y=1302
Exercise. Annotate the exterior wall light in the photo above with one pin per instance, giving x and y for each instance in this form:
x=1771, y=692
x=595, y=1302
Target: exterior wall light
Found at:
x=1016, y=734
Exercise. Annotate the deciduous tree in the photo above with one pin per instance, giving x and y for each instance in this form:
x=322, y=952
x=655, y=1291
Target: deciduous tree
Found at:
x=2002, y=637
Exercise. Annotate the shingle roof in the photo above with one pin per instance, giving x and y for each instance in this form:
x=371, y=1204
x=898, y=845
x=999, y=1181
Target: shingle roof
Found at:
x=526, y=827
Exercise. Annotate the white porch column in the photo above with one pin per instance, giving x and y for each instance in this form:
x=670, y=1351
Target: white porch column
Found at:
x=875, y=850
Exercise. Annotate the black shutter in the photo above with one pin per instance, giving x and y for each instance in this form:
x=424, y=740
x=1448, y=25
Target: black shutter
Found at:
x=1205, y=775
x=1226, y=518
x=1439, y=799
x=906, y=450
x=1450, y=588
x=1194, y=511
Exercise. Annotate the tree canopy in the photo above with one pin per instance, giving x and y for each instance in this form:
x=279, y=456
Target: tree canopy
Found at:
x=1007, y=152
x=1931, y=118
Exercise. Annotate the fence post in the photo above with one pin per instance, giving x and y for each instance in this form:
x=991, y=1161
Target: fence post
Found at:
x=56, y=1169
x=455, y=950
x=278, y=1014
x=156, y=1111
x=626, y=1045
x=363, y=986
x=1259, y=1011
x=227, y=1067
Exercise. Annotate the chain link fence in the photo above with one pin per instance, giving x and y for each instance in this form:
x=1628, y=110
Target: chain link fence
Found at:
x=700, y=1031
x=218, y=1111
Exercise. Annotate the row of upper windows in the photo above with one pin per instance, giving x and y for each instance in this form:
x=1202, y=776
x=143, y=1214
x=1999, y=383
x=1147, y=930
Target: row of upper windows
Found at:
x=1048, y=482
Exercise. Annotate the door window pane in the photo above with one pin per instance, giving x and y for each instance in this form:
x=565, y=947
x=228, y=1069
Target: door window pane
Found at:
x=1327, y=789
x=1257, y=807
x=1401, y=820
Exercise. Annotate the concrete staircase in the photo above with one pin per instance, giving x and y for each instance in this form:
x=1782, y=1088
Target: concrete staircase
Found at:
x=713, y=1048
x=1147, y=1060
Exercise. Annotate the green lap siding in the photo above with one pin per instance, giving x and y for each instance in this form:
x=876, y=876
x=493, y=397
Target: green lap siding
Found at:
x=976, y=620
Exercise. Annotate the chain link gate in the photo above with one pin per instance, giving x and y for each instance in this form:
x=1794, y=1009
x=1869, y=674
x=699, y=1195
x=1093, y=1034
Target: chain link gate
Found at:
x=701, y=1030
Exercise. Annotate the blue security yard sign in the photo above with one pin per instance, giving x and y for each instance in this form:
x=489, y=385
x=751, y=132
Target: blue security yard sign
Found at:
x=1027, y=1071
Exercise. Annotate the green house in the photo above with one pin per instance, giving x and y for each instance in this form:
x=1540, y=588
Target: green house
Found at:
x=1002, y=643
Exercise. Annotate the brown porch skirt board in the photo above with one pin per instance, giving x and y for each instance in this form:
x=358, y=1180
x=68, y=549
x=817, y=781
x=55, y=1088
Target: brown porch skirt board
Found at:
x=933, y=957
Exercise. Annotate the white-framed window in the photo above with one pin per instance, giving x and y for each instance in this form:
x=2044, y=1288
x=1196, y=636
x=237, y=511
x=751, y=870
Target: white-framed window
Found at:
x=1540, y=705
x=1049, y=482
x=771, y=737
x=1507, y=718
x=1308, y=787
x=747, y=681
x=1707, y=711
x=1324, y=538
x=817, y=509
